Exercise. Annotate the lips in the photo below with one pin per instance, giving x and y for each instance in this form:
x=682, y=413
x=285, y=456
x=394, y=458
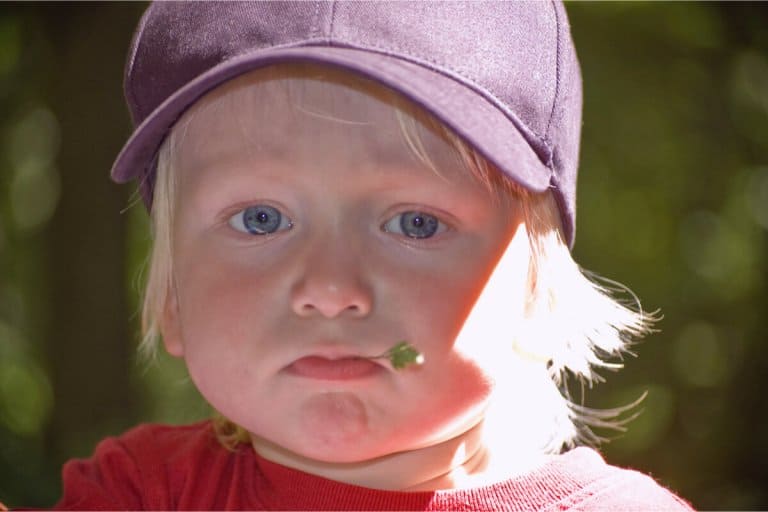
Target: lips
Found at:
x=343, y=368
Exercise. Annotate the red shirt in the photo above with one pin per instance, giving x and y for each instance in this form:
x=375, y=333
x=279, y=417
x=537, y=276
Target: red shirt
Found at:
x=170, y=467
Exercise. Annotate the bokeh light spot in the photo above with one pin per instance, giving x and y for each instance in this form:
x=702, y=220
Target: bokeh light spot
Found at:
x=700, y=357
x=26, y=397
x=720, y=253
x=751, y=76
x=36, y=136
x=10, y=44
x=757, y=196
x=32, y=148
x=34, y=195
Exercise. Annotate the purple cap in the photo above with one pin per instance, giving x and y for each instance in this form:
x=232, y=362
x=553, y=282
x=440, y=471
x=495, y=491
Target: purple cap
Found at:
x=503, y=75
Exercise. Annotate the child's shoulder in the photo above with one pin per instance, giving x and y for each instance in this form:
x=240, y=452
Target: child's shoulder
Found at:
x=602, y=486
x=140, y=468
x=160, y=435
x=154, y=444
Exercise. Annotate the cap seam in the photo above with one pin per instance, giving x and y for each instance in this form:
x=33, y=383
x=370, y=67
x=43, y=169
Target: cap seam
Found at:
x=452, y=73
x=558, y=69
x=129, y=74
x=315, y=28
x=333, y=20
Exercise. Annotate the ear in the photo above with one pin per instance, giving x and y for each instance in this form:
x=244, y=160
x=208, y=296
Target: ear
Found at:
x=171, y=325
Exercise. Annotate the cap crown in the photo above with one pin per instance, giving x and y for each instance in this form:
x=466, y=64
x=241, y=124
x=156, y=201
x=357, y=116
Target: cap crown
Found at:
x=516, y=56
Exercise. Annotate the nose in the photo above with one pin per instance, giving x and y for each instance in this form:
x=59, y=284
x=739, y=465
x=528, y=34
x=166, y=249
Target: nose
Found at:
x=331, y=283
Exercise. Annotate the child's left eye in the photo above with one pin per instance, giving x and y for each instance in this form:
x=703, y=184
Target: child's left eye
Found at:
x=260, y=220
x=414, y=224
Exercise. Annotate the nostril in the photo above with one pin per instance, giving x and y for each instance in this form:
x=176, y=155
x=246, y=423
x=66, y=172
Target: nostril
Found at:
x=355, y=310
x=330, y=311
x=331, y=299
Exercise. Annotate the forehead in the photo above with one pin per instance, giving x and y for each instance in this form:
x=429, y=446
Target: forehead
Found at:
x=299, y=113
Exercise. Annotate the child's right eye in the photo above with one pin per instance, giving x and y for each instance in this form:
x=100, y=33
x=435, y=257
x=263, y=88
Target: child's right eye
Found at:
x=259, y=220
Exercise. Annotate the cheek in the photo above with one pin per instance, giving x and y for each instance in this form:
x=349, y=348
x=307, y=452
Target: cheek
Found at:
x=222, y=310
x=436, y=308
x=220, y=301
x=436, y=297
x=451, y=284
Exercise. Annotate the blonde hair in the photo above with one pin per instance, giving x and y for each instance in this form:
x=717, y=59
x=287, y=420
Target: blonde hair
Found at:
x=556, y=330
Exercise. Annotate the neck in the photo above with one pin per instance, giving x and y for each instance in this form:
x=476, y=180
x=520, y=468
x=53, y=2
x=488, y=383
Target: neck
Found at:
x=470, y=459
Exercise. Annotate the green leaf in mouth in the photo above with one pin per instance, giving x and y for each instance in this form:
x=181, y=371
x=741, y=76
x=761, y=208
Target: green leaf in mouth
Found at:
x=403, y=354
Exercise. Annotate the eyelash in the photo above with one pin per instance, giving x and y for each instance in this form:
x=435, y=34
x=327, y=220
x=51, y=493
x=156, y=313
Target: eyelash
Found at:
x=238, y=219
x=255, y=212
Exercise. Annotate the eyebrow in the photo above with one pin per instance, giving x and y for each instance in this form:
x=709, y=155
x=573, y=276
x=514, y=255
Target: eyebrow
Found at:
x=392, y=175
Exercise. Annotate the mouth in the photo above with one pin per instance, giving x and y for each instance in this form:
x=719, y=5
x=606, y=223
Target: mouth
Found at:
x=338, y=369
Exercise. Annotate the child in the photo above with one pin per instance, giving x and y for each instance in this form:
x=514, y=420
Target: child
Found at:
x=329, y=182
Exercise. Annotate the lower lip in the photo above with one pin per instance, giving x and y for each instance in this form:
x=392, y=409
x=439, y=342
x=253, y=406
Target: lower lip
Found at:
x=346, y=368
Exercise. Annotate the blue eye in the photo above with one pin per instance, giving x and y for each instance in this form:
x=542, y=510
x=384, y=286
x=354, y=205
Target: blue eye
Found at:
x=259, y=220
x=414, y=224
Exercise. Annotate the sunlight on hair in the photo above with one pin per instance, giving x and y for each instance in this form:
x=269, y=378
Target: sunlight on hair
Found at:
x=572, y=320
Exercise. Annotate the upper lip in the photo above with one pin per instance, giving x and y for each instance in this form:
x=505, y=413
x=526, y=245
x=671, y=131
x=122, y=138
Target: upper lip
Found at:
x=337, y=350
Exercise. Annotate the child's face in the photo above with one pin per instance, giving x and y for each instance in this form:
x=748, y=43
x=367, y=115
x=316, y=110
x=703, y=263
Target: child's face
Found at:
x=270, y=324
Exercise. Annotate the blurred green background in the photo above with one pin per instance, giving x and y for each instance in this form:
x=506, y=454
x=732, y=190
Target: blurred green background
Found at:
x=673, y=202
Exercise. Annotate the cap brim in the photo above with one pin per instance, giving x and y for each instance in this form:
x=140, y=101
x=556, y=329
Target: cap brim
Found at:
x=464, y=108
